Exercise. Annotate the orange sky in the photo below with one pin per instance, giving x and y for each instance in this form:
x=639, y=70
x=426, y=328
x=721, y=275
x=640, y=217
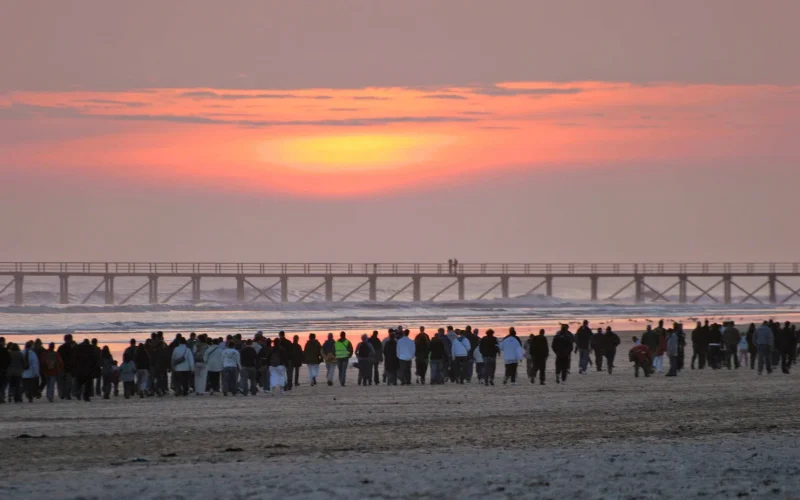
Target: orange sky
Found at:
x=344, y=142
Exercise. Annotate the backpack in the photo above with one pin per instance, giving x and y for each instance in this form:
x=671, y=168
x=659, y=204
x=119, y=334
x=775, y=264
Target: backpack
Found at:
x=50, y=361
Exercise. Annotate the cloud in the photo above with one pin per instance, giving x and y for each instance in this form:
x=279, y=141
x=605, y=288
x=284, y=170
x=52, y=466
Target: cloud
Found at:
x=345, y=109
x=208, y=94
x=496, y=91
x=499, y=127
x=370, y=98
x=112, y=102
x=455, y=97
x=350, y=122
x=476, y=113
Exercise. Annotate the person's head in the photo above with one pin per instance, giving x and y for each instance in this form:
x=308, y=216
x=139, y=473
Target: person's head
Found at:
x=459, y=333
x=192, y=335
x=13, y=347
x=468, y=329
x=238, y=337
x=422, y=329
x=250, y=342
x=649, y=327
x=296, y=339
x=541, y=332
x=564, y=328
x=635, y=339
x=600, y=330
x=230, y=344
x=94, y=341
x=330, y=336
x=406, y=333
x=661, y=322
x=585, y=322
x=699, y=325
x=364, y=337
x=706, y=323
x=530, y=336
x=375, y=334
x=440, y=331
x=133, y=342
x=342, y=335
x=608, y=329
x=2, y=342
x=449, y=328
x=182, y=341
x=51, y=347
x=281, y=334
x=476, y=332
x=312, y=336
x=29, y=344
x=106, y=351
x=512, y=332
x=276, y=342
x=490, y=333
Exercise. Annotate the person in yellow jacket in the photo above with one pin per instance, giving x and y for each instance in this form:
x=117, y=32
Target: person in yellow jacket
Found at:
x=344, y=351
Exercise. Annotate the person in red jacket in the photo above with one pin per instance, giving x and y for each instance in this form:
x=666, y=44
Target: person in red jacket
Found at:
x=52, y=368
x=641, y=357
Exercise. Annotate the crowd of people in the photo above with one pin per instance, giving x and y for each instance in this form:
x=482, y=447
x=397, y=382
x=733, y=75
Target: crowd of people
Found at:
x=234, y=366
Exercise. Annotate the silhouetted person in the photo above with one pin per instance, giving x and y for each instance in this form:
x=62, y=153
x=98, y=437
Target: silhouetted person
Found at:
x=610, y=343
x=539, y=351
x=86, y=368
x=562, y=347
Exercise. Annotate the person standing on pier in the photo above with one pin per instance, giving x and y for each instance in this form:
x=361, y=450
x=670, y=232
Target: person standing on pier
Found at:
x=562, y=346
x=583, y=343
x=344, y=351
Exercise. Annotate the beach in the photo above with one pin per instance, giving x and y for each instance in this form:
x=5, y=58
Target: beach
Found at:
x=710, y=434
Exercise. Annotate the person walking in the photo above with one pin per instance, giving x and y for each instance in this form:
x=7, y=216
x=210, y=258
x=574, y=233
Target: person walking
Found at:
x=200, y=366
x=583, y=343
x=365, y=354
x=406, y=349
x=421, y=350
x=329, y=356
x=52, y=369
x=30, y=377
x=752, y=349
x=142, y=361
x=730, y=339
x=609, y=347
x=597, y=349
x=436, y=357
x=312, y=354
x=16, y=367
x=5, y=361
x=743, y=350
x=289, y=349
x=672, y=352
x=231, y=364
x=277, y=367
x=298, y=358
x=86, y=368
x=460, y=352
x=65, y=381
x=764, y=340
x=377, y=345
x=248, y=359
x=512, y=355
x=107, y=371
x=182, y=367
x=344, y=351
x=213, y=364
x=489, y=350
x=539, y=351
x=391, y=364
x=562, y=346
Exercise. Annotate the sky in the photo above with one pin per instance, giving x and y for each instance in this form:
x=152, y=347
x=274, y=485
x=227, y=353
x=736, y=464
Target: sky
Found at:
x=387, y=131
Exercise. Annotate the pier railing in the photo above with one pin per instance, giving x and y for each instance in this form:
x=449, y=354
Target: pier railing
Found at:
x=398, y=269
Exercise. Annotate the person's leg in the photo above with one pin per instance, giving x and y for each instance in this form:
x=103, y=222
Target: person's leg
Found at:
x=87, y=390
x=244, y=380
x=636, y=368
x=3, y=386
x=106, y=386
x=343, y=364
x=610, y=355
x=310, y=369
x=98, y=386
x=701, y=360
x=376, y=375
x=514, y=372
x=288, y=384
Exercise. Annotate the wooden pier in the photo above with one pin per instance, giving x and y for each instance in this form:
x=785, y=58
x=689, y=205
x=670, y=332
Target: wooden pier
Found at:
x=685, y=289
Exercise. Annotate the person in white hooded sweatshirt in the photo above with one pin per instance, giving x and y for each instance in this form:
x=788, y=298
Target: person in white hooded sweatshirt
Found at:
x=512, y=355
x=182, y=367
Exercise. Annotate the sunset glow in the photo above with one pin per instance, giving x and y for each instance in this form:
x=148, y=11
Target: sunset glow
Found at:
x=346, y=142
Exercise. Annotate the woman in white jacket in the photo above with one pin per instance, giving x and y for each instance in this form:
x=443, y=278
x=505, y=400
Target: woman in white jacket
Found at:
x=182, y=367
x=512, y=355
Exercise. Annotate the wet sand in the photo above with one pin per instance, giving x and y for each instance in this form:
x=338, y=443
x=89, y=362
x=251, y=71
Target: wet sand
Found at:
x=710, y=434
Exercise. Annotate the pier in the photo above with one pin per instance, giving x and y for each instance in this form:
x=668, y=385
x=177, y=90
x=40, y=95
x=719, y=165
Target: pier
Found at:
x=775, y=287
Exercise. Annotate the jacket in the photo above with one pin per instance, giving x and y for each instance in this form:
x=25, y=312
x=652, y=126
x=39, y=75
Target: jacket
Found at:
x=312, y=352
x=436, y=349
x=672, y=344
x=651, y=339
x=377, y=345
x=422, y=345
x=199, y=350
x=597, y=341
x=231, y=358
x=406, y=349
x=562, y=344
x=610, y=341
x=731, y=338
x=512, y=350
x=763, y=336
x=186, y=364
x=33, y=364
x=248, y=357
x=15, y=364
x=390, y=356
x=583, y=339
x=85, y=362
x=539, y=348
x=298, y=357
x=460, y=347
x=65, y=352
x=488, y=347
x=127, y=372
x=365, y=351
x=51, y=365
x=5, y=359
x=213, y=358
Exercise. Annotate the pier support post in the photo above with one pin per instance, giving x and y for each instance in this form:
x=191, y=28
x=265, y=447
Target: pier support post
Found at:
x=639, y=281
x=594, y=287
x=18, y=293
x=548, y=286
x=109, y=289
x=682, y=280
x=196, y=289
x=153, y=289
x=504, y=282
x=773, y=295
x=329, y=288
x=284, y=289
x=726, y=288
x=373, y=288
x=240, y=289
x=461, y=294
x=417, y=288
x=63, y=289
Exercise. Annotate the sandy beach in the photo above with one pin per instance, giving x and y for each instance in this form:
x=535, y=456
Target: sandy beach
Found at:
x=710, y=434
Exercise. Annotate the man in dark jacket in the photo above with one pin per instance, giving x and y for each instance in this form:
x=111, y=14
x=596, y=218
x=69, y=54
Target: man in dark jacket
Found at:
x=421, y=348
x=539, y=351
x=489, y=350
x=715, y=346
x=86, y=368
x=437, y=357
x=377, y=345
x=785, y=342
x=297, y=359
x=65, y=382
x=312, y=356
x=583, y=342
x=288, y=349
x=391, y=362
x=597, y=348
x=248, y=357
x=562, y=346
x=730, y=339
x=610, y=341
